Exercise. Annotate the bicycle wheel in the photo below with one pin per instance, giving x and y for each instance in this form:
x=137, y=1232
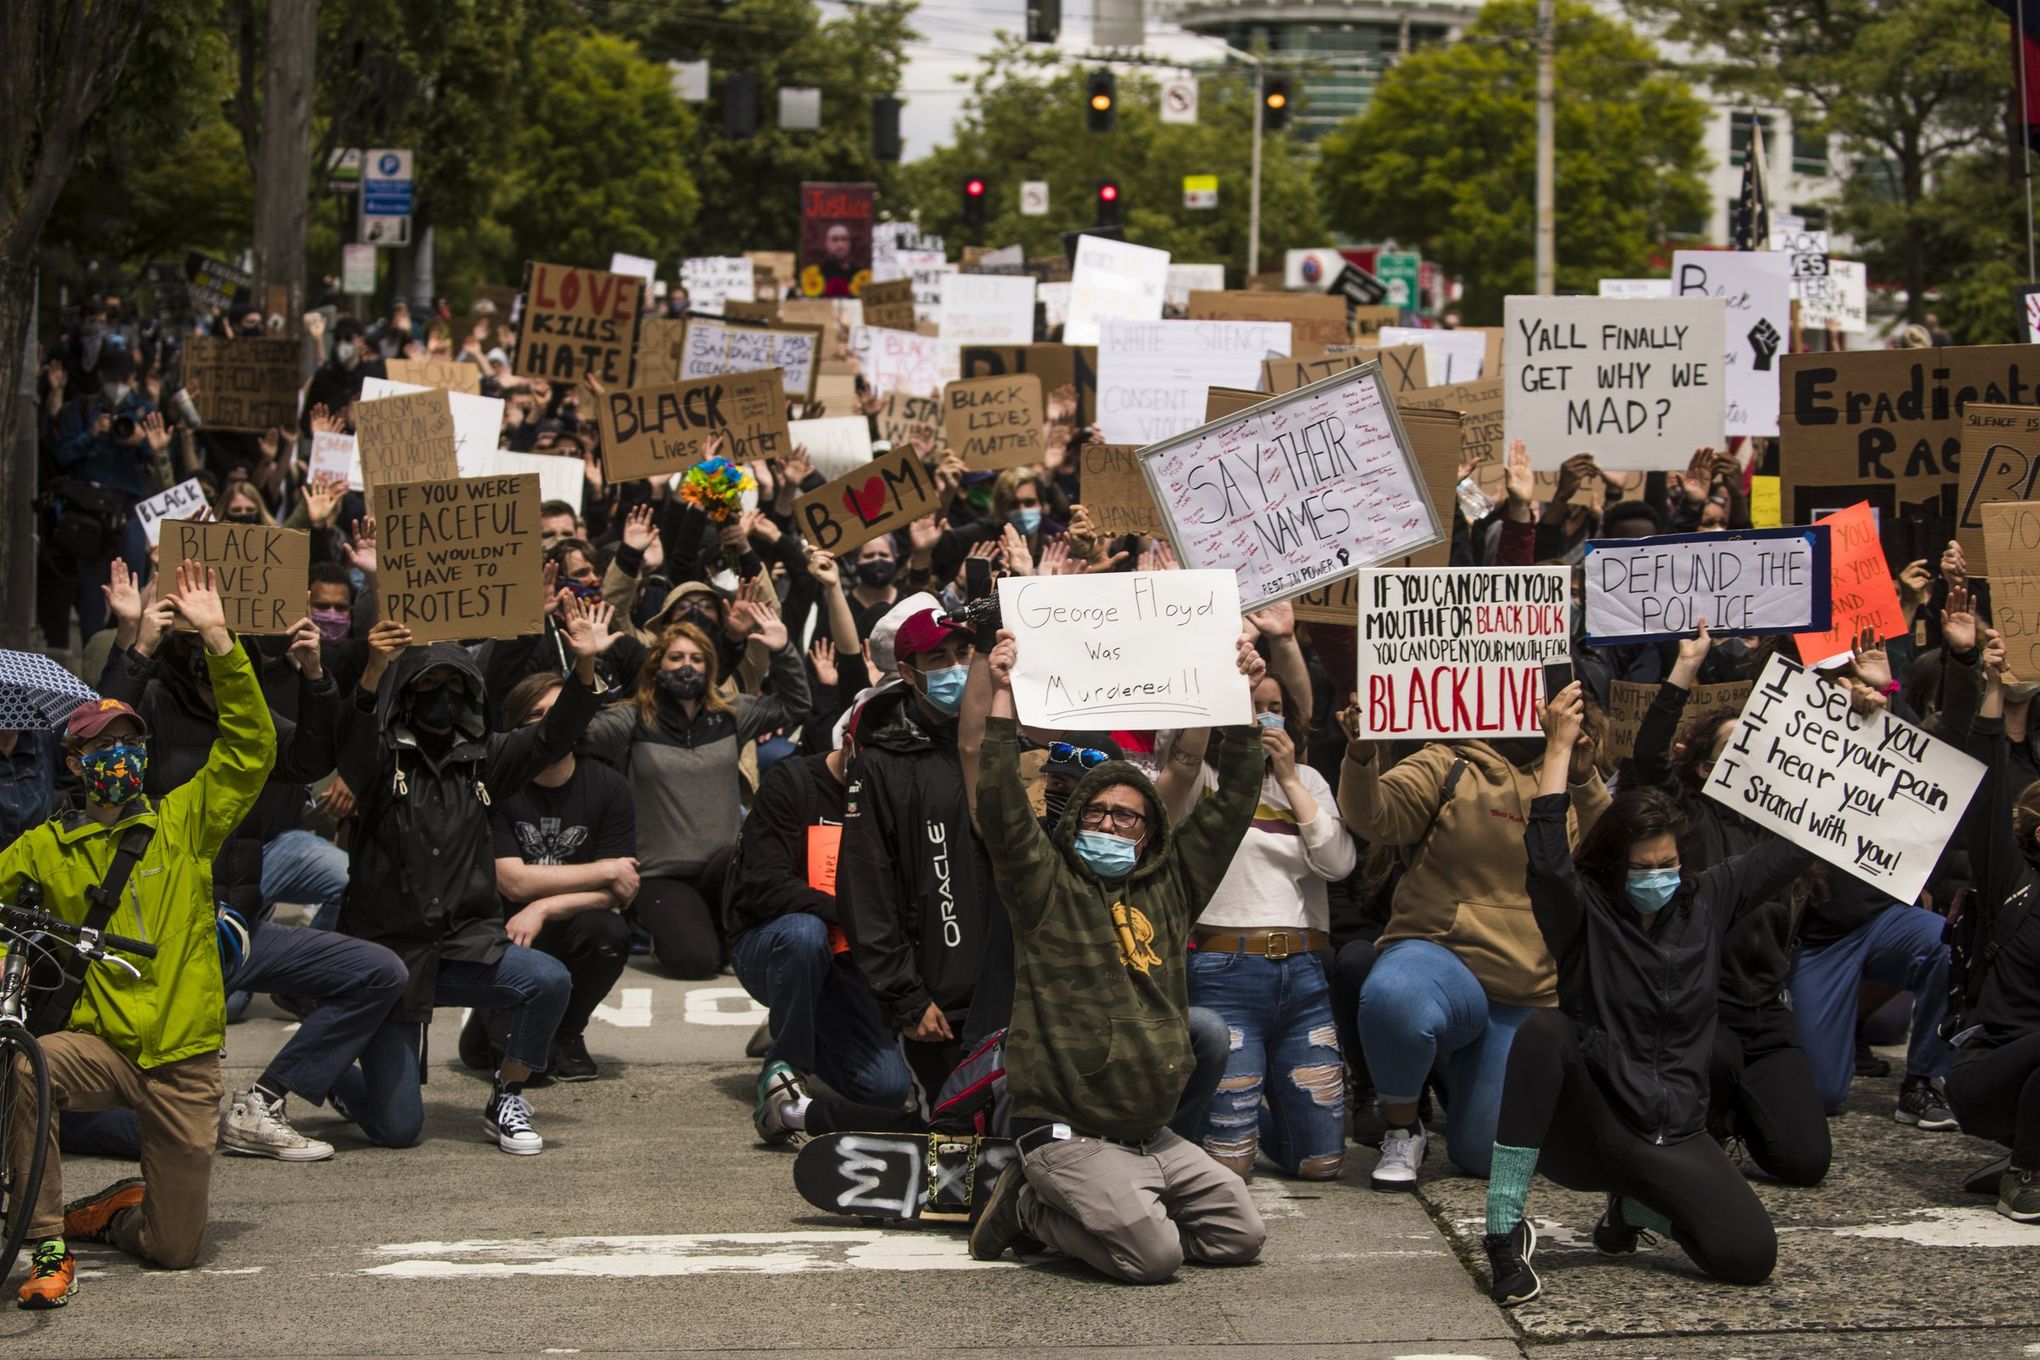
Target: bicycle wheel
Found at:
x=24, y=1113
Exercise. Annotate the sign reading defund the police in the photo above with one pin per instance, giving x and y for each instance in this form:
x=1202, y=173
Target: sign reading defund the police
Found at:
x=1459, y=651
x=1132, y=651
x=1742, y=584
x=1869, y=793
x=1637, y=382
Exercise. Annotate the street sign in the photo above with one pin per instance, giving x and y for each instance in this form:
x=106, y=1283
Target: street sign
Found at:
x=1179, y=101
x=1399, y=271
x=1200, y=191
x=343, y=170
x=357, y=269
x=1358, y=287
x=386, y=197
x=1034, y=198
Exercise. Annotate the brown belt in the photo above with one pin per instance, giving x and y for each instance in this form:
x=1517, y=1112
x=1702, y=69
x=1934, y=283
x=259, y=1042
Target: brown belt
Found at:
x=1270, y=944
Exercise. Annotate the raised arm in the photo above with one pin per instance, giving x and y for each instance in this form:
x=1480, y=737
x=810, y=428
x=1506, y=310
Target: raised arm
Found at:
x=1651, y=763
x=1021, y=854
x=210, y=805
x=1556, y=892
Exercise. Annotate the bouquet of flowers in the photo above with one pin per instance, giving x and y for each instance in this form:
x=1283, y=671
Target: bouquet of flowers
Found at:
x=719, y=487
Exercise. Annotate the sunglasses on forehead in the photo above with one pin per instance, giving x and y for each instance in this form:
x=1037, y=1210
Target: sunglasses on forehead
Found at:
x=1063, y=753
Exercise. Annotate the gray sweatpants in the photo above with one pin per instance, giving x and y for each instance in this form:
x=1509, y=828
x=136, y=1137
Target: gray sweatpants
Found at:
x=1138, y=1213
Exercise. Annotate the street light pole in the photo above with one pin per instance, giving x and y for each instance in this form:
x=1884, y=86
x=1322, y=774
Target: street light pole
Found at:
x=1547, y=97
x=1254, y=189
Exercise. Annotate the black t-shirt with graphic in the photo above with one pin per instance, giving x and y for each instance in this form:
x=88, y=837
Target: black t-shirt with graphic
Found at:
x=589, y=817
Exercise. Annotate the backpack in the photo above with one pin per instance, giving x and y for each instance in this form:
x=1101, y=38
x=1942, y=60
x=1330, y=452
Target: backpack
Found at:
x=1975, y=939
x=973, y=1100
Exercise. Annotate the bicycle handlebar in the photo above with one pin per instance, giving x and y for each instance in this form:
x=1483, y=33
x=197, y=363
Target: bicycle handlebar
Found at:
x=39, y=920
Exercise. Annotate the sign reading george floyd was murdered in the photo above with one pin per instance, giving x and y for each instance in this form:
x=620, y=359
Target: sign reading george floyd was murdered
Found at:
x=1637, y=381
x=1870, y=794
x=657, y=431
x=1459, y=651
x=577, y=323
x=1743, y=584
x=461, y=559
x=261, y=573
x=243, y=384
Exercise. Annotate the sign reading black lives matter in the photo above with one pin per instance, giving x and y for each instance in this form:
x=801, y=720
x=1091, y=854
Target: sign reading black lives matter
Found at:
x=461, y=559
x=1869, y=793
x=1295, y=491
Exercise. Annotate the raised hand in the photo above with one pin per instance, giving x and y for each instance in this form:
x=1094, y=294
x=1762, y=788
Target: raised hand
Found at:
x=1281, y=752
x=637, y=527
x=822, y=656
x=1055, y=559
x=1693, y=651
x=1915, y=585
x=923, y=534
x=155, y=432
x=1005, y=655
x=1518, y=479
x=771, y=628
x=1278, y=620
x=1954, y=564
x=322, y=499
x=1564, y=717
x=304, y=648
x=361, y=546
x=824, y=569
x=324, y=421
x=587, y=627
x=1082, y=532
x=123, y=596
x=1249, y=661
x=1873, y=668
x=1958, y=620
x=1019, y=558
x=797, y=466
x=198, y=601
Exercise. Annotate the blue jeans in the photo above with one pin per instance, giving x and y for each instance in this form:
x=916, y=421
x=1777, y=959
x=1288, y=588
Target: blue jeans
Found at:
x=824, y=1018
x=1210, y=1046
x=1420, y=1003
x=298, y=866
x=382, y=1095
x=1284, y=1046
x=1901, y=947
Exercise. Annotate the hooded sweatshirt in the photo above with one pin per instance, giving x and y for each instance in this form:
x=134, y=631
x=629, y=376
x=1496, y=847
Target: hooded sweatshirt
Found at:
x=2007, y=886
x=1100, y=1036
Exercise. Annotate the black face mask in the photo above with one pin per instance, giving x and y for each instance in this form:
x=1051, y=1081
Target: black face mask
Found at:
x=877, y=572
x=684, y=682
x=242, y=517
x=440, y=708
x=253, y=332
x=706, y=622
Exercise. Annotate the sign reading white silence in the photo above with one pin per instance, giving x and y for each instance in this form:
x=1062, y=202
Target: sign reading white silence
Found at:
x=1871, y=794
x=1153, y=376
x=1137, y=651
x=1459, y=651
x=1636, y=380
x=1296, y=491
x=1743, y=584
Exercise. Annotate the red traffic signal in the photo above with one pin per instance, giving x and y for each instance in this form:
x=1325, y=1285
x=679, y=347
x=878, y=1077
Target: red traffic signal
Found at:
x=1108, y=202
x=1108, y=193
x=974, y=187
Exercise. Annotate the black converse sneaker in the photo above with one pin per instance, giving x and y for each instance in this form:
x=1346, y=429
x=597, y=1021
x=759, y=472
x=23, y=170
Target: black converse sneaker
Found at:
x=507, y=1119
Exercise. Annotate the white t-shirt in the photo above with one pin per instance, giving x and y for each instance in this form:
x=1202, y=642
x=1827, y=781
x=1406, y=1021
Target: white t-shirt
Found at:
x=1277, y=878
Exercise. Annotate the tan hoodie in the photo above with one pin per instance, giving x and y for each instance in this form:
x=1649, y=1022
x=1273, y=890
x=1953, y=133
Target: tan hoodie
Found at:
x=1466, y=884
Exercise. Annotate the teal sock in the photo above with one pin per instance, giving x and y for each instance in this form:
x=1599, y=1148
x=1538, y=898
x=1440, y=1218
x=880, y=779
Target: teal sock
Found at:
x=1643, y=1216
x=1508, y=1186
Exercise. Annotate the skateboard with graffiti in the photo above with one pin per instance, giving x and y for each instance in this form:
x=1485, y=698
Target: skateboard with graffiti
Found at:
x=941, y=1177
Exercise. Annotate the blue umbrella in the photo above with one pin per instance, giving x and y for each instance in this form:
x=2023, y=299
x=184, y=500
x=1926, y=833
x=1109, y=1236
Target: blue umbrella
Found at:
x=36, y=692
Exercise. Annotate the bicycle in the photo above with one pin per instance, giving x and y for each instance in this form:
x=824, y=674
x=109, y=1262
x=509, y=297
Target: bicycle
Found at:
x=29, y=933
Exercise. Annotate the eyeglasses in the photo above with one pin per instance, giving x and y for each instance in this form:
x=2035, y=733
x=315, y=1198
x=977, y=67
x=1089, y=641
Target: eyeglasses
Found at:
x=1062, y=753
x=1122, y=819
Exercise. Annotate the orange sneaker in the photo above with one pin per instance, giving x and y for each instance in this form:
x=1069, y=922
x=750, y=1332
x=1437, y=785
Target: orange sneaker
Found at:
x=89, y=1218
x=52, y=1276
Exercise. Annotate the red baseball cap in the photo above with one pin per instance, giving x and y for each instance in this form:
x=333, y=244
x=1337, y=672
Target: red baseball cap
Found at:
x=90, y=718
x=923, y=632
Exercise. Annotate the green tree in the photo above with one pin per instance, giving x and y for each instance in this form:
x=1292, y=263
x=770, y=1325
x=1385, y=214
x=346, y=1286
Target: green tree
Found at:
x=1026, y=121
x=1907, y=93
x=1444, y=158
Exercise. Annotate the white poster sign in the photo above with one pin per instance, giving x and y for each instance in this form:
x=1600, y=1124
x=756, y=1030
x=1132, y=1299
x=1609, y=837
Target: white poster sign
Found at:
x=1153, y=376
x=1459, y=651
x=1748, y=583
x=839, y=445
x=1136, y=651
x=186, y=500
x=987, y=309
x=560, y=477
x=1756, y=286
x=620, y=263
x=930, y=274
x=1055, y=304
x=711, y=280
x=1449, y=356
x=1870, y=794
x=898, y=361
x=335, y=455
x=1297, y=491
x=477, y=422
x=1840, y=299
x=1636, y=288
x=1637, y=381
x=1113, y=278
x=1185, y=279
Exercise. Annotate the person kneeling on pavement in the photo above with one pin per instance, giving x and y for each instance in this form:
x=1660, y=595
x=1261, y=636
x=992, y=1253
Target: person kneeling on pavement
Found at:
x=1099, y=1046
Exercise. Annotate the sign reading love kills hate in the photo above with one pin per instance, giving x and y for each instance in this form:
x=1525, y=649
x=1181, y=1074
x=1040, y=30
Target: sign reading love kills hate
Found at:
x=407, y=438
x=578, y=322
x=461, y=559
x=1869, y=793
x=890, y=492
x=261, y=573
x=1742, y=584
x=656, y=431
x=994, y=423
x=1134, y=651
x=1459, y=651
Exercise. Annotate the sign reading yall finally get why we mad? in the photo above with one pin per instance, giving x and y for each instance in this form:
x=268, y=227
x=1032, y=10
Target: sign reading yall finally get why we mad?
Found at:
x=577, y=323
x=461, y=559
x=1459, y=651
x=1743, y=584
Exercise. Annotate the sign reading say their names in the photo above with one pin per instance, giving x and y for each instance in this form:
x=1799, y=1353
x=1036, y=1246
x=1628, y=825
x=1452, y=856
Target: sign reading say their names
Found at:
x=1638, y=381
x=657, y=431
x=243, y=384
x=890, y=492
x=407, y=437
x=578, y=322
x=994, y=423
x=1459, y=651
x=1869, y=793
x=1153, y=375
x=1297, y=490
x=460, y=559
x=1133, y=651
x=1742, y=584
x=261, y=573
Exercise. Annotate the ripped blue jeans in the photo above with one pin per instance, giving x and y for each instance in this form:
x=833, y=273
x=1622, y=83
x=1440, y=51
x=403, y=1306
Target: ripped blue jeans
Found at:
x=1284, y=1090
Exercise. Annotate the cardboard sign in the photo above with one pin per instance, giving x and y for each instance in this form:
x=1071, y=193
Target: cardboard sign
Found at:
x=1629, y=701
x=714, y=280
x=1220, y=402
x=1459, y=651
x=1638, y=382
x=1131, y=651
x=1336, y=602
x=2013, y=532
x=890, y=492
x=477, y=422
x=261, y=573
x=658, y=431
x=1449, y=356
x=460, y=559
x=994, y=423
x=407, y=437
x=1885, y=425
x=662, y=345
x=1401, y=365
x=905, y=416
x=1756, y=288
x=760, y=313
x=1438, y=440
x=2000, y=462
x=1744, y=584
x=836, y=444
x=1315, y=320
x=1368, y=322
x=987, y=309
x=243, y=384
x=1864, y=595
x=1057, y=366
x=1116, y=493
x=1153, y=376
x=835, y=238
x=1185, y=279
x=1481, y=405
x=186, y=500
x=1115, y=279
x=898, y=361
x=890, y=304
x=577, y=322
x=1296, y=491
x=451, y=374
x=1871, y=794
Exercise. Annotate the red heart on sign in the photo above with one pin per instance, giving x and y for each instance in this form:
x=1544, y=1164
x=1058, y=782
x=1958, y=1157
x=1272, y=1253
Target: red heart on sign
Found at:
x=868, y=501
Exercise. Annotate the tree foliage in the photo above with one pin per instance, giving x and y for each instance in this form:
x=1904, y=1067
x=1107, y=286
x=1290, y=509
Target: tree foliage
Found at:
x=1444, y=158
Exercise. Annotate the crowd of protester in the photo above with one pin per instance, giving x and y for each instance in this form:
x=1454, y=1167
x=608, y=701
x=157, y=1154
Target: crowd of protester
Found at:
x=1201, y=955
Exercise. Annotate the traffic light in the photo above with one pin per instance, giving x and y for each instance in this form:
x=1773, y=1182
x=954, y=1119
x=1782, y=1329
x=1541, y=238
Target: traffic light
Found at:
x=1274, y=103
x=1044, y=20
x=1108, y=202
x=1101, y=101
x=973, y=200
x=739, y=104
x=885, y=129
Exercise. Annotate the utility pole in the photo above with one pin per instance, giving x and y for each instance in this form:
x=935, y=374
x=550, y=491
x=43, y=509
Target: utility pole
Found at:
x=1547, y=99
x=1254, y=188
x=283, y=155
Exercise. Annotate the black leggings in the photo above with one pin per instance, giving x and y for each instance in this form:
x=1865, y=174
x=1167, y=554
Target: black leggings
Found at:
x=683, y=915
x=594, y=945
x=1551, y=1101
x=1996, y=1094
x=1761, y=1076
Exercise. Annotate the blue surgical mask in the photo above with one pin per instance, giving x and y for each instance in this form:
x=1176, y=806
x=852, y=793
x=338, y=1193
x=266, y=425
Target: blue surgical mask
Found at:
x=1651, y=889
x=1107, y=855
x=1026, y=520
x=1268, y=719
x=944, y=688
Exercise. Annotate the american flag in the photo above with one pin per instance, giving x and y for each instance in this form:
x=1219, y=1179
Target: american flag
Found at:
x=1753, y=208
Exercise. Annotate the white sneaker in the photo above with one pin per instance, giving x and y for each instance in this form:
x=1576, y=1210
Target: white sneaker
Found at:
x=253, y=1127
x=1402, y=1152
x=508, y=1120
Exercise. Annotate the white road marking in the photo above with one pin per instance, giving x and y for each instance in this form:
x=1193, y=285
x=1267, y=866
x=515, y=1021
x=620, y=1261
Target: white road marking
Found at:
x=705, y=1007
x=772, y=1253
x=1950, y=1228
x=632, y=1011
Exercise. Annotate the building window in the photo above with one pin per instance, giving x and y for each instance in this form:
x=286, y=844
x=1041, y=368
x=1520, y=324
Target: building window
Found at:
x=1740, y=122
x=1816, y=219
x=1809, y=153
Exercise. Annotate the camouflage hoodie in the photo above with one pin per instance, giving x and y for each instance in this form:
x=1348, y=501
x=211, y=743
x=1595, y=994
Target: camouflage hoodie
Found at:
x=1099, y=1038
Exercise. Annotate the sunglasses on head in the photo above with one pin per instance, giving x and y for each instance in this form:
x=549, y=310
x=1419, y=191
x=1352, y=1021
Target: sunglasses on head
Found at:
x=1063, y=753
